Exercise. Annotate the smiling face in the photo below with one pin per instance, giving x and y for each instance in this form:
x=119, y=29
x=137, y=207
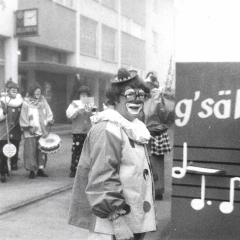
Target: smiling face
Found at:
x=37, y=93
x=130, y=105
x=13, y=92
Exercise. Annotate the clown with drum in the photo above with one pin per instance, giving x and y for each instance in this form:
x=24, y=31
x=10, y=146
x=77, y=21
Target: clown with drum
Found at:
x=35, y=120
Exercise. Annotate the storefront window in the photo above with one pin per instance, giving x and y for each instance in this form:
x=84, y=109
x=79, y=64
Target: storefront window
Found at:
x=23, y=53
x=47, y=55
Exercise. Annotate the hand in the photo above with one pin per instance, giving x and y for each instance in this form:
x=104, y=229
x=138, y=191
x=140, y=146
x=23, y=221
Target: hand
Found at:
x=51, y=122
x=33, y=130
x=81, y=109
x=121, y=229
x=45, y=134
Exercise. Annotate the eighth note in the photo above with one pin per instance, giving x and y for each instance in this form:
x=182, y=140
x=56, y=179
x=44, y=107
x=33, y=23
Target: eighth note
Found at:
x=227, y=207
x=178, y=172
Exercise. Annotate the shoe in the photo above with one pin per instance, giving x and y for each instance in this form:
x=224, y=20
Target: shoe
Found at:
x=41, y=173
x=32, y=175
x=72, y=174
x=158, y=194
x=14, y=167
x=3, y=178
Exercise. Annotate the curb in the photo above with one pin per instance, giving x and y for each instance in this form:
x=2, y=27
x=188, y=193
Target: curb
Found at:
x=35, y=199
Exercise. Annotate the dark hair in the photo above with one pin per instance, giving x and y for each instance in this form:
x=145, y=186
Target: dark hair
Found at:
x=84, y=89
x=115, y=89
x=33, y=87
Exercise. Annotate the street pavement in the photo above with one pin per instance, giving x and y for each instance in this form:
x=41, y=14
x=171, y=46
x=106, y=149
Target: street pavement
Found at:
x=20, y=191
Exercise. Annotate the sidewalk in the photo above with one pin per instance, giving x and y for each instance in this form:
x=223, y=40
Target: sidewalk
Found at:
x=19, y=190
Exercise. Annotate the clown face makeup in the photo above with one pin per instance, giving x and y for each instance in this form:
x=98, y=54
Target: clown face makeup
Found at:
x=130, y=103
x=13, y=92
x=37, y=94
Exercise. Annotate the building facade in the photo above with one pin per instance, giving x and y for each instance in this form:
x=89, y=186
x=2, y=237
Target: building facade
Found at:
x=8, y=43
x=84, y=42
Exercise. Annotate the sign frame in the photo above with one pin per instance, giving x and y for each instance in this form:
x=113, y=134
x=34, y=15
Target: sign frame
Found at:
x=26, y=22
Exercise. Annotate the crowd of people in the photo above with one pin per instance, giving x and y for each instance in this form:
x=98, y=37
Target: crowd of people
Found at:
x=117, y=154
x=30, y=117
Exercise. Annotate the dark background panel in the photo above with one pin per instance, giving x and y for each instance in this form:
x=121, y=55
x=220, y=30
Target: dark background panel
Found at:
x=221, y=194
x=209, y=79
x=211, y=155
x=207, y=224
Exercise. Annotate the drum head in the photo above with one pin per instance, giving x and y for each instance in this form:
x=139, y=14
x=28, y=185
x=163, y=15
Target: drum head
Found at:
x=50, y=144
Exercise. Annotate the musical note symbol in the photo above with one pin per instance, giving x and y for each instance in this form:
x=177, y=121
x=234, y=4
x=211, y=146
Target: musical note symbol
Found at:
x=227, y=207
x=179, y=172
x=196, y=203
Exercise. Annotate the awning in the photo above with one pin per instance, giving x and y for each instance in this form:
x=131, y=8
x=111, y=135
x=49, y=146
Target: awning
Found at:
x=57, y=68
x=49, y=67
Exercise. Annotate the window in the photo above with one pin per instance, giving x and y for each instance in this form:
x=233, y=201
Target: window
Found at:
x=108, y=43
x=88, y=41
x=110, y=4
x=133, y=51
x=67, y=3
x=135, y=10
x=155, y=41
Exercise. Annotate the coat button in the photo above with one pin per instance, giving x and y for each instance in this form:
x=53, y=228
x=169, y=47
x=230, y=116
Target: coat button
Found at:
x=146, y=206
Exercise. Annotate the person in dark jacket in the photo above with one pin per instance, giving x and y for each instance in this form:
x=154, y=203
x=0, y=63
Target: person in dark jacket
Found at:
x=155, y=118
x=10, y=108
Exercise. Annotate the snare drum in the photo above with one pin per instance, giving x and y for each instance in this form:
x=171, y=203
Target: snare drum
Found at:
x=50, y=144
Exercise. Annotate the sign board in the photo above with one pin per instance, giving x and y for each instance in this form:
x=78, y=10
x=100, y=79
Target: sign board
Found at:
x=9, y=150
x=206, y=156
x=27, y=22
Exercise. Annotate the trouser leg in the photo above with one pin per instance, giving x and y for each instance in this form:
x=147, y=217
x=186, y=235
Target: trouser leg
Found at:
x=14, y=159
x=78, y=141
x=157, y=162
x=3, y=159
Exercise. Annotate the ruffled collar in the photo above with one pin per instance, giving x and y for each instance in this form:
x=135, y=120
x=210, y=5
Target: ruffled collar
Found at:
x=34, y=102
x=12, y=102
x=136, y=130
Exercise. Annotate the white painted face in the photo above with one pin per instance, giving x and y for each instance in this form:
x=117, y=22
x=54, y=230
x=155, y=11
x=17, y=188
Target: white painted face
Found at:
x=37, y=94
x=131, y=103
x=13, y=92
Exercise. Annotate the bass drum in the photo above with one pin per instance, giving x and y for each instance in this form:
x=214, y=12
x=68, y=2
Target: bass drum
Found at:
x=50, y=144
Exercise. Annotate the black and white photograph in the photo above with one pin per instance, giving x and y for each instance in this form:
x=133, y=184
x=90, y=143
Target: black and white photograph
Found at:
x=119, y=120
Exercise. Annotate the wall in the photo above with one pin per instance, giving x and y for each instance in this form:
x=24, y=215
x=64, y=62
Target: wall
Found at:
x=57, y=24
